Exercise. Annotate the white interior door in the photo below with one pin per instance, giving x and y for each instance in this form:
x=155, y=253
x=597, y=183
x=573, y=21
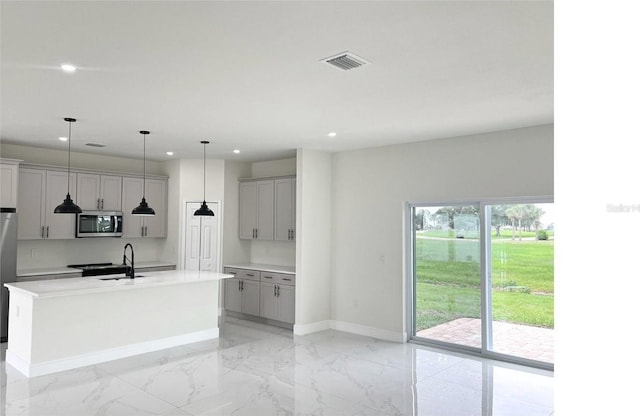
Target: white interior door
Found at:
x=201, y=240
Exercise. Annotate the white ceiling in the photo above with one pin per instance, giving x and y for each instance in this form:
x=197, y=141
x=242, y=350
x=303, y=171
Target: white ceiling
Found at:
x=249, y=76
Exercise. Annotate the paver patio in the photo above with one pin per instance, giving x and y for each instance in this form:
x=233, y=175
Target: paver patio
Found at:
x=518, y=340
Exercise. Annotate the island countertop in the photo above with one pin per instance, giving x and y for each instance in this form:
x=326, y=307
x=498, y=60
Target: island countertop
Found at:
x=61, y=324
x=96, y=284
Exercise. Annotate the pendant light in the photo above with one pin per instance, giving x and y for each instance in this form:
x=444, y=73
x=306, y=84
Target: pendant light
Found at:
x=144, y=210
x=204, y=209
x=67, y=206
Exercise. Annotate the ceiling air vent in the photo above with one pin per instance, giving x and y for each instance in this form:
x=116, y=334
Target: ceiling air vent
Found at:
x=95, y=145
x=346, y=61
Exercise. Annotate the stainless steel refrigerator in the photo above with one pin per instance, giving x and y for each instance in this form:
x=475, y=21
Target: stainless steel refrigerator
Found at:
x=8, y=260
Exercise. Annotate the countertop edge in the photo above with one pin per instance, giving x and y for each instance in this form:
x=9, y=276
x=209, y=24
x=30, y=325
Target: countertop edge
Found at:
x=263, y=267
x=107, y=285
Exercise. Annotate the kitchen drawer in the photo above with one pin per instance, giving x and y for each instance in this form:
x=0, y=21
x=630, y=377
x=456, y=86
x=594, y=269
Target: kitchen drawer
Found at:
x=281, y=278
x=249, y=274
x=243, y=273
x=233, y=271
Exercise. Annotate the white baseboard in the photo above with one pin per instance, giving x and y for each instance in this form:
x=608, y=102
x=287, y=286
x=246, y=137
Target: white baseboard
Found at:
x=363, y=330
x=369, y=331
x=54, y=366
x=311, y=328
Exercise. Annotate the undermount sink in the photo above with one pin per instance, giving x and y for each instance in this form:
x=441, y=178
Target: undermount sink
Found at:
x=119, y=277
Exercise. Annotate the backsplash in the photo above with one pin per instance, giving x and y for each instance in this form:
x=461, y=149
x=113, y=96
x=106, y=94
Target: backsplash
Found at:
x=34, y=254
x=281, y=253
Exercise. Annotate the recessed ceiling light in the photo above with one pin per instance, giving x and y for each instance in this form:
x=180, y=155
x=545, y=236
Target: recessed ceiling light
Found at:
x=63, y=139
x=68, y=68
x=236, y=151
x=169, y=153
x=332, y=134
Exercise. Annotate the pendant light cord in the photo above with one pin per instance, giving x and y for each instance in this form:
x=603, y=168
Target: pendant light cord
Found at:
x=144, y=165
x=204, y=169
x=69, y=161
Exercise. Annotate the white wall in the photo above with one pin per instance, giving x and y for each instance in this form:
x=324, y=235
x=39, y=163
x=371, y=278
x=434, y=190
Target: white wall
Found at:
x=371, y=188
x=40, y=156
x=269, y=168
x=234, y=250
x=313, y=241
x=190, y=189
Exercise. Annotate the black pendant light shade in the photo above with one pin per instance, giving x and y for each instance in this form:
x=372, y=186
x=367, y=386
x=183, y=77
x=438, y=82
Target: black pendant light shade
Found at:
x=144, y=209
x=204, y=210
x=67, y=206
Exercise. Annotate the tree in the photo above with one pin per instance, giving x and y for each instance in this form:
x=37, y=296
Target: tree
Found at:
x=498, y=217
x=516, y=212
x=451, y=212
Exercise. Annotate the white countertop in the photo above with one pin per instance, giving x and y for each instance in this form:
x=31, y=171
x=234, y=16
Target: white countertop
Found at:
x=263, y=267
x=43, y=271
x=94, y=284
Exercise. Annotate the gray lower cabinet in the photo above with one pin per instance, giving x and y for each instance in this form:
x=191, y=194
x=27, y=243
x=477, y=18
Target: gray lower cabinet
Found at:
x=259, y=293
x=242, y=293
x=277, y=297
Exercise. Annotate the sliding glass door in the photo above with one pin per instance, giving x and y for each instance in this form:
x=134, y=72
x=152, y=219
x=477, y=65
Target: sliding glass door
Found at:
x=483, y=278
x=447, y=274
x=521, y=272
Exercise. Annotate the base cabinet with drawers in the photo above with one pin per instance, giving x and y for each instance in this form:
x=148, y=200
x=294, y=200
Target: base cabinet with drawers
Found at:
x=261, y=293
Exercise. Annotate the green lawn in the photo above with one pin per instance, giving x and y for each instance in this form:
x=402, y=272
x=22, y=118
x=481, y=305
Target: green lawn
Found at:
x=448, y=280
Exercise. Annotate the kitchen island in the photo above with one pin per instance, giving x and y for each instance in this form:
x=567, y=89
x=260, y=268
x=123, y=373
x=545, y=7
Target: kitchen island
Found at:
x=60, y=324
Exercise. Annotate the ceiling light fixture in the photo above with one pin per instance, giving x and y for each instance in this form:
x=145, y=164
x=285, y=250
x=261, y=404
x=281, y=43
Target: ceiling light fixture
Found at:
x=67, y=206
x=144, y=209
x=63, y=139
x=68, y=68
x=169, y=153
x=236, y=151
x=204, y=209
x=332, y=134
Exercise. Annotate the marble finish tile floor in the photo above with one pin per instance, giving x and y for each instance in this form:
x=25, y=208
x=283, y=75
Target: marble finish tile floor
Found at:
x=254, y=369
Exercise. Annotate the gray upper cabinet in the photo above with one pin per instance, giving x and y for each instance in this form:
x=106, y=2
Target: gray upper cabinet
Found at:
x=40, y=192
x=285, y=209
x=156, y=196
x=99, y=192
x=256, y=210
x=267, y=209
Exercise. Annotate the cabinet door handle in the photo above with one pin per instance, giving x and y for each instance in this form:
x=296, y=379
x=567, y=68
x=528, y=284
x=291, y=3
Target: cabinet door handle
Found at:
x=98, y=203
x=274, y=291
x=240, y=285
x=47, y=231
x=42, y=231
x=278, y=290
x=249, y=274
x=286, y=279
x=101, y=203
x=146, y=231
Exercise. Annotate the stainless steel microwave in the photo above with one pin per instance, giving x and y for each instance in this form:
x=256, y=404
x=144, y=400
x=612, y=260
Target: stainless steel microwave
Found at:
x=99, y=224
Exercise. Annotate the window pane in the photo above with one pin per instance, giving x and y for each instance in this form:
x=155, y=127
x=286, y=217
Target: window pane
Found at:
x=447, y=274
x=522, y=280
